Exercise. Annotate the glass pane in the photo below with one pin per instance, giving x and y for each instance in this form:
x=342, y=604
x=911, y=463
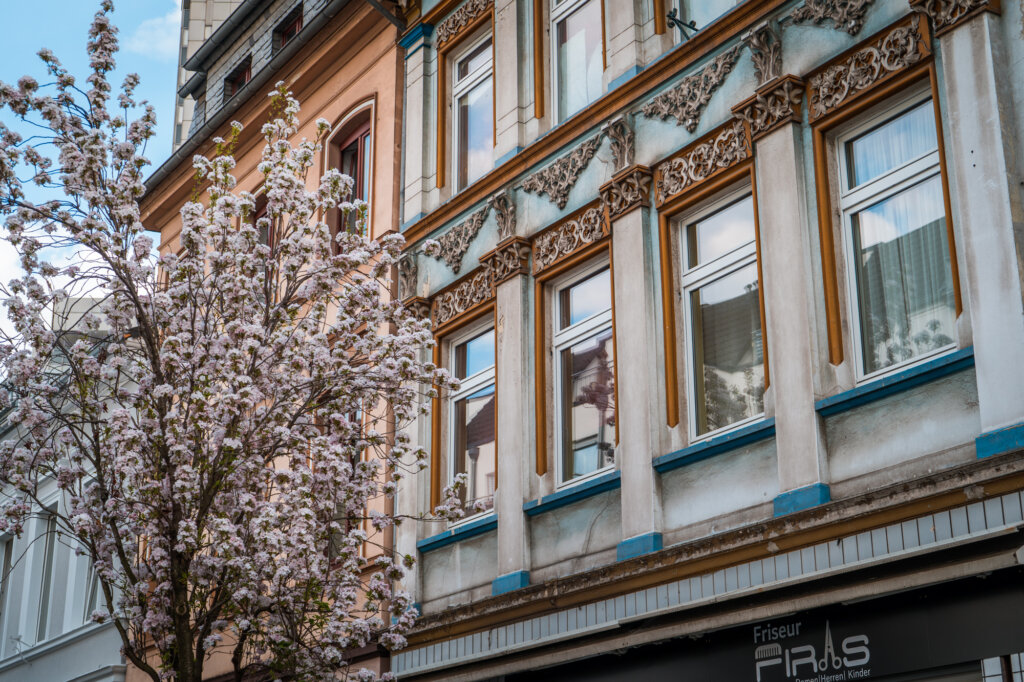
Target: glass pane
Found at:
x=892, y=144
x=474, y=355
x=588, y=405
x=476, y=133
x=586, y=299
x=720, y=232
x=728, y=360
x=904, y=282
x=474, y=60
x=580, y=62
x=475, y=443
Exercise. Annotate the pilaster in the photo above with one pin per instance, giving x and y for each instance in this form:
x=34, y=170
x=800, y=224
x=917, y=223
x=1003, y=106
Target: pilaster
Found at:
x=417, y=109
x=624, y=46
x=512, y=71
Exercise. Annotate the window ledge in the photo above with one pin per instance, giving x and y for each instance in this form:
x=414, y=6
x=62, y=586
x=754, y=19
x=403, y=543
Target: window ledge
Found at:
x=753, y=433
x=896, y=383
x=576, y=493
x=465, y=532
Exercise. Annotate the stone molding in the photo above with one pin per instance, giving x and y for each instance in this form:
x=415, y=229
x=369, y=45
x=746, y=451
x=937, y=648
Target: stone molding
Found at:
x=717, y=151
x=408, y=272
x=845, y=15
x=510, y=258
x=620, y=138
x=765, y=43
x=419, y=306
x=558, y=179
x=504, y=207
x=563, y=239
x=772, y=105
x=456, y=241
x=947, y=14
x=466, y=295
x=627, y=190
x=685, y=102
x=877, y=60
x=453, y=24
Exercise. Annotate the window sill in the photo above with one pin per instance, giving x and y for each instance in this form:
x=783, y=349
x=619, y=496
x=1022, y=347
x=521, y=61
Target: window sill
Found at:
x=733, y=440
x=595, y=486
x=905, y=380
x=458, y=534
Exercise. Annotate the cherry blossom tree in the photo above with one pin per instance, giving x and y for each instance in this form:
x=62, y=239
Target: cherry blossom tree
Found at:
x=219, y=421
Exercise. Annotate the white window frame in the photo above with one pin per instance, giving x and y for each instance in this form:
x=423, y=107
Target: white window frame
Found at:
x=6, y=568
x=692, y=279
x=467, y=387
x=558, y=13
x=48, y=573
x=565, y=338
x=852, y=200
x=461, y=87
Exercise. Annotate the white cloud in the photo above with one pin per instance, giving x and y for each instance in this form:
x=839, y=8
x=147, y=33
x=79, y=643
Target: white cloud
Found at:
x=159, y=37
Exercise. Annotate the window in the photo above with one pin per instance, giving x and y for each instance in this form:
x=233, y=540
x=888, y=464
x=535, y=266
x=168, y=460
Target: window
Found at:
x=49, y=540
x=288, y=28
x=473, y=106
x=585, y=374
x=723, y=314
x=578, y=54
x=472, y=417
x=895, y=238
x=93, y=593
x=351, y=152
x=7, y=547
x=238, y=78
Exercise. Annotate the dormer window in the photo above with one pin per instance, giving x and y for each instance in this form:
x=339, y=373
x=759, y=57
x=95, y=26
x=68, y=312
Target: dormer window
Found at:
x=289, y=28
x=237, y=79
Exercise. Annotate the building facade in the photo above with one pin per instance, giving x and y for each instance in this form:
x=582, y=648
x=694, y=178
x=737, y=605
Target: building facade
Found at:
x=735, y=293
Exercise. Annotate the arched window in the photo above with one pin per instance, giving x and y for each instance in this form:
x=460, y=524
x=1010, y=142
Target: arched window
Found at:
x=351, y=151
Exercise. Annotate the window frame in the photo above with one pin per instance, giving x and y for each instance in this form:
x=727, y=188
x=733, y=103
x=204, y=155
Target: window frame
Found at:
x=238, y=78
x=343, y=133
x=292, y=21
x=556, y=14
x=467, y=84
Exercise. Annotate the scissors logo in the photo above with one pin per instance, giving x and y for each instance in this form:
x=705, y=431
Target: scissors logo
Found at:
x=830, y=652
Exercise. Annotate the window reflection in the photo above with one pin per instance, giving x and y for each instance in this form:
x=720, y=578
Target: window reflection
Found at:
x=588, y=298
x=579, y=58
x=891, y=145
x=475, y=445
x=588, y=405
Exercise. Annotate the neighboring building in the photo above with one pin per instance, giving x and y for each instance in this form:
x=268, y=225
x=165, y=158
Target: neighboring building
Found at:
x=740, y=324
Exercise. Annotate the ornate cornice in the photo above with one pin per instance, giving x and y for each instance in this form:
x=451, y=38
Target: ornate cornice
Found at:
x=626, y=191
x=765, y=45
x=558, y=179
x=845, y=15
x=620, y=138
x=877, y=60
x=510, y=258
x=947, y=14
x=563, y=239
x=408, y=270
x=686, y=101
x=772, y=105
x=504, y=208
x=474, y=290
x=718, y=151
x=455, y=241
x=460, y=19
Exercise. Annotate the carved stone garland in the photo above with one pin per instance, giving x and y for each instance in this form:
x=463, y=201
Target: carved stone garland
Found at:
x=845, y=15
x=627, y=190
x=511, y=258
x=686, y=101
x=460, y=19
x=558, y=179
x=455, y=241
x=475, y=290
x=948, y=13
x=694, y=165
x=568, y=237
x=777, y=103
x=895, y=51
x=504, y=213
x=766, y=52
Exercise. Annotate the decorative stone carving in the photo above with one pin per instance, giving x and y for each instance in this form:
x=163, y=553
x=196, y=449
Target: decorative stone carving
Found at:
x=845, y=15
x=504, y=213
x=896, y=50
x=945, y=14
x=620, y=137
x=408, y=270
x=766, y=52
x=627, y=190
x=686, y=101
x=721, y=150
x=456, y=240
x=511, y=258
x=558, y=179
x=564, y=239
x=476, y=289
x=772, y=106
x=419, y=307
x=460, y=19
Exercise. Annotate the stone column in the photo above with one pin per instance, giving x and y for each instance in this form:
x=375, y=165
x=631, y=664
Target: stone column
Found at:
x=634, y=265
x=416, y=126
x=773, y=115
x=513, y=71
x=509, y=263
x=987, y=212
x=624, y=48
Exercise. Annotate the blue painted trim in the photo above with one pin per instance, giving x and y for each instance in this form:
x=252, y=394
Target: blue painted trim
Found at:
x=510, y=582
x=999, y=441
x=897, y=383
x=507, y=156
x=638, y=546
x=752, y=433
x=802, y=498
x=411, y=221
x=628, y=75
x=415, y=33
x=594, y=486
x=449, y=537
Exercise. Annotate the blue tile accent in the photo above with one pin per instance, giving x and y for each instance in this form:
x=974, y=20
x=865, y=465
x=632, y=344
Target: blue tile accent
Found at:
x=641, y=544
x=509, y=582
x=411, y=221
x=999, y=441
x=415, y=33
x=470, y=530
x=752, y=433
x=507, y=156
x=582, y=491
x=631, y=73
x=802, y=498
x=897, y=383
